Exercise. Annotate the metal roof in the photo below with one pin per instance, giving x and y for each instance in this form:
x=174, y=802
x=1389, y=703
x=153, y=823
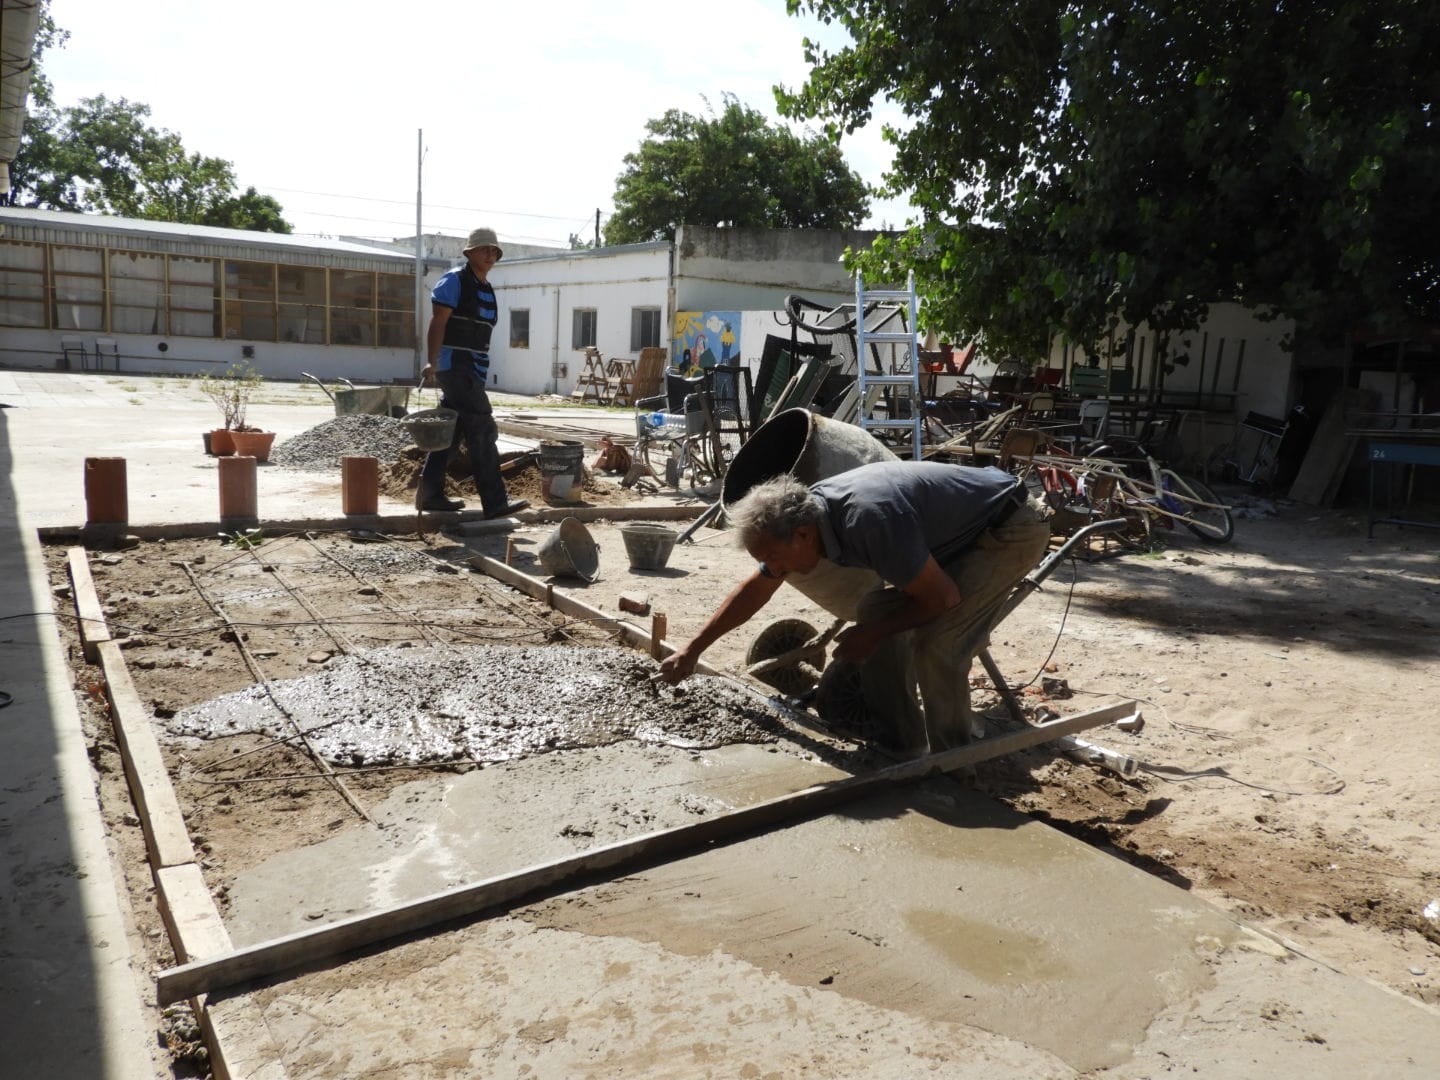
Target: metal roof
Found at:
x=132, y=234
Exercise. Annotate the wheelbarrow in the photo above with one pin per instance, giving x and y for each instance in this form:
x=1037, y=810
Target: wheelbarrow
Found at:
x=366, y=400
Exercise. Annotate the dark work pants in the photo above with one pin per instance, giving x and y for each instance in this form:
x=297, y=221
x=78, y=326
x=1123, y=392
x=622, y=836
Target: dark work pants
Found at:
x=463, y=390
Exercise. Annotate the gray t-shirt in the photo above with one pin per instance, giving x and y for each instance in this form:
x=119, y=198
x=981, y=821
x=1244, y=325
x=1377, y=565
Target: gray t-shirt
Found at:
x=891, y=515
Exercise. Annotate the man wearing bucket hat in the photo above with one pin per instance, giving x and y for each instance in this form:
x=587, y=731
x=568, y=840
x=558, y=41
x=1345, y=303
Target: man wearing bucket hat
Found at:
x=464, y=312
x=948, y=543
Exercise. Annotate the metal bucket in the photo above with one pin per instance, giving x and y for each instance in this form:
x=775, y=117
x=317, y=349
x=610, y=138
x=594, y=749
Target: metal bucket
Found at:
x=432, y=429
x=570, y=551
x=812, y=447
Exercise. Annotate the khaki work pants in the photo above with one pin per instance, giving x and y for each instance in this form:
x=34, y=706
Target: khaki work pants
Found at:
x=935, y=658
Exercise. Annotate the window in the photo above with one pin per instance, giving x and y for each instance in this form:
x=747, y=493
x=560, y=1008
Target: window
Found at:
x=194, y=310
x=22, y=284
x=301, y=290
x=396, y=309
x=250, y=300
x=582, y=328
x=79, y=288
x=137, y=293
x=644, y=328
x=352, y=307
x=520, y=328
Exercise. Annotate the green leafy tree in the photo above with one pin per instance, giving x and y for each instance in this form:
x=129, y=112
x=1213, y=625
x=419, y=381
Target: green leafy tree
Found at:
x=1076, y=163
x=103, y=157
x=732, y=169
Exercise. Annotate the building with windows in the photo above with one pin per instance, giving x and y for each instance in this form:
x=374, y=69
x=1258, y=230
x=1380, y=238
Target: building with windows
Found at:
x=79, y=290
x=156, y=297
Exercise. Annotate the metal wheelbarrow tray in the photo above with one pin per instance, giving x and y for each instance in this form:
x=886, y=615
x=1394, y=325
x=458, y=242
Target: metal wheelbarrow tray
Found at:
x=366, y=400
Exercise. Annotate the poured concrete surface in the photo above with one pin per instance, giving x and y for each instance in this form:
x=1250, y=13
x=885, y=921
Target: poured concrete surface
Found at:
x=926, y=930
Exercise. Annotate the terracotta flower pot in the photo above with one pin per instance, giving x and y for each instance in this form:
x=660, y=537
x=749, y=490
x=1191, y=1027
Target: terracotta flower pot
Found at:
x=221, y=442
x=254, y=444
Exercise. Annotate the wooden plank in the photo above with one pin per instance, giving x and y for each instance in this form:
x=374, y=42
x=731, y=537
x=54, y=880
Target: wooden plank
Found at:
x=166, y=837
x=1318, y=481
x=569, y=605
x=624, y=856
x=93, y=628
x=241, y=1047
x=188, y=911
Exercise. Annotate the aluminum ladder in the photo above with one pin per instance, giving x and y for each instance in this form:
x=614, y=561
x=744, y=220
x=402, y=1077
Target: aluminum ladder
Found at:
x=903, y=369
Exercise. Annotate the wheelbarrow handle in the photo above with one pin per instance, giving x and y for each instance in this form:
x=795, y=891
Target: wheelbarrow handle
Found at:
x=348, y=383
x=320, y=384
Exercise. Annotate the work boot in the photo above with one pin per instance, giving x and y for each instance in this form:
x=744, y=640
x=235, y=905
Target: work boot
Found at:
x=437, y=504
x=514, y=506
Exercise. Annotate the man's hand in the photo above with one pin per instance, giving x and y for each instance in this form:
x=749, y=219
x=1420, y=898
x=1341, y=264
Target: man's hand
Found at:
x=427, y=374
x=678, y=666
x=856, y=644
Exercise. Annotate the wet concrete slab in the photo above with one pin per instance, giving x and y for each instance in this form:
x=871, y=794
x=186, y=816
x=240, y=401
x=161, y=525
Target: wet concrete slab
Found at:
x=483, y=703
x=927, y=931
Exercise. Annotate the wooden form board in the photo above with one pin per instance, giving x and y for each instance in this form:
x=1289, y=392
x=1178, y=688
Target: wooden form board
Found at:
x=498, y=893
x=568, y=605
x=166, y=836
x=93, y=627
x=240, y=1044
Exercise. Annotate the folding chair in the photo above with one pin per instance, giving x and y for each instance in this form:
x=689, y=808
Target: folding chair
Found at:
x=106, y=347
x=72, y=349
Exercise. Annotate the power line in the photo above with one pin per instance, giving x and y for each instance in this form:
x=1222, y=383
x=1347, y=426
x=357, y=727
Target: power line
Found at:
x=401, y=224
x=437, y=206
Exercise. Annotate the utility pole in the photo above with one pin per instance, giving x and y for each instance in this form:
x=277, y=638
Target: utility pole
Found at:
x=419, y=255
x=597, y=226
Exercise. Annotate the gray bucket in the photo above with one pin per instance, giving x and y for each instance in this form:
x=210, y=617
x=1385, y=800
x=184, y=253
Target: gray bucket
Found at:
x=648, y=546
x=432, y=429
x=812, y=447
x=570, y=551
x=562, y=470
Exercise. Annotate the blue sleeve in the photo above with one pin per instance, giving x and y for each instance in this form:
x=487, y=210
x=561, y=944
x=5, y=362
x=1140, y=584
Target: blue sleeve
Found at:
x=447, y=290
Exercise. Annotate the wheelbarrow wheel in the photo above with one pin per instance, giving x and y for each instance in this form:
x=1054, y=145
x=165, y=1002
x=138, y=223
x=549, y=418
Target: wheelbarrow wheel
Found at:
x=840, y=704
x=776, y=638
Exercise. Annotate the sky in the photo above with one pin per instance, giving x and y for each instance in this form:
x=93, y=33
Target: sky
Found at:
x=528, y=107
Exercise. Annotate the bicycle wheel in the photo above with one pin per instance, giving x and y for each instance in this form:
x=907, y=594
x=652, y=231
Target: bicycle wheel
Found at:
x=1212, y=523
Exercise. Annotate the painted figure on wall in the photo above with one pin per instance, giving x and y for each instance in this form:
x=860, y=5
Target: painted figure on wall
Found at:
x=691, y=350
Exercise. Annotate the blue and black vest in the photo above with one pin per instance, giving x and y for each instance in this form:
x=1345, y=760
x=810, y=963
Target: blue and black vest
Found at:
x=473, y=319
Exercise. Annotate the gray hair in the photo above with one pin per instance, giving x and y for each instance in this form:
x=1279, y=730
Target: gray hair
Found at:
x=773, y=509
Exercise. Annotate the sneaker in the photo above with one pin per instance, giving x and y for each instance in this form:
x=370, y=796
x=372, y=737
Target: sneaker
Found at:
x=514, y=506
x=438, y=504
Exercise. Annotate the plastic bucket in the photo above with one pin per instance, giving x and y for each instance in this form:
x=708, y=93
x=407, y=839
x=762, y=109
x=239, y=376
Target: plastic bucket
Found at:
x=648, y=546
x=562, y=470
x=432, y=429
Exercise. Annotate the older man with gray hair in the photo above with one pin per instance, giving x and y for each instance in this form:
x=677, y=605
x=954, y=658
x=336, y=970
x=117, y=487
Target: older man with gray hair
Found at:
x=948, y=542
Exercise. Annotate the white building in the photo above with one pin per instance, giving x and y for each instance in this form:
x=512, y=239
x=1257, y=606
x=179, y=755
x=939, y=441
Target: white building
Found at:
x=157, y=297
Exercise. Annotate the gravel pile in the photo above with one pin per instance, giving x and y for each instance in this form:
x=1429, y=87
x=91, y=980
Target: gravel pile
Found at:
x=324, y=445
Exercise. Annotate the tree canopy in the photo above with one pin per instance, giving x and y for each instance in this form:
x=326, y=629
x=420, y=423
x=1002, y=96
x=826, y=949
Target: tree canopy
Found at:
x=1076, y=163
x=732, y=169
x=103, y=157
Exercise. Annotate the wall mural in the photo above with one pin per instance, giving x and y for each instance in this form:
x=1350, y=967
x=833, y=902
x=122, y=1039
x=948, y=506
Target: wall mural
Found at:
x=703, y=339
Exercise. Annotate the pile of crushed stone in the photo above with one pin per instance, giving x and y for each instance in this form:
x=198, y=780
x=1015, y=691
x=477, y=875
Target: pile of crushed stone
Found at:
x=325, y=444
x=485, y=703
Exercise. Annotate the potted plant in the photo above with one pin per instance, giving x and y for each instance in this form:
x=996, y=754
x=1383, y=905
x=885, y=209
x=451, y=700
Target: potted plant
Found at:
x=230, y=393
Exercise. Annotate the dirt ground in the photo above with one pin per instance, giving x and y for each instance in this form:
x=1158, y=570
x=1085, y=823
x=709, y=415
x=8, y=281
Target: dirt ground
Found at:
x=1289, y=764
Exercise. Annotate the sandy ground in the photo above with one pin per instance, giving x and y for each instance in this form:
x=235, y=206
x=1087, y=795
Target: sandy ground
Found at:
x=1289, y=778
